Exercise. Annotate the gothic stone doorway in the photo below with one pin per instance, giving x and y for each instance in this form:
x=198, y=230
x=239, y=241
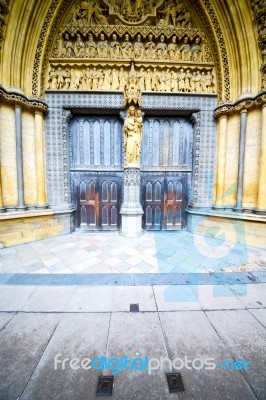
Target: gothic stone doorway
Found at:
x=97, y=170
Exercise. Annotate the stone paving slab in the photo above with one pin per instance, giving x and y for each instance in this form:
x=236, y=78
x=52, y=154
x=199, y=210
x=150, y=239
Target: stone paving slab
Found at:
x=245, y=337
x=137, y=335
x=77, y=336
x=30, y=341
x=22, y=344
x=5, y=318
x=155, y=252
x=191, y=335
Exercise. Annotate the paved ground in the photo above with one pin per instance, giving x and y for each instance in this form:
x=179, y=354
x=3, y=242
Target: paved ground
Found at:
x=160, y=252
x=70, y=297
x=222, y=323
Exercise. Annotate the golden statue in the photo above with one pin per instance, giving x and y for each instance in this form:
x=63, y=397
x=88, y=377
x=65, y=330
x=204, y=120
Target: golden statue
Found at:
x=133, y=136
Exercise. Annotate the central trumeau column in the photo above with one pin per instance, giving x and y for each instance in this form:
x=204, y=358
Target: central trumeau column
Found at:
x=131, y=210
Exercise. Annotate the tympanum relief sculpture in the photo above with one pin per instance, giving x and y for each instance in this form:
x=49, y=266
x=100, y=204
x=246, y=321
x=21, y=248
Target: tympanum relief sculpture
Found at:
x=95, y=48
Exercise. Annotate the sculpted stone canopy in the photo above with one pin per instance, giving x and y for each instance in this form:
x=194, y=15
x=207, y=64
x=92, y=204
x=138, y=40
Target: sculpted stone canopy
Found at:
x=96, y=45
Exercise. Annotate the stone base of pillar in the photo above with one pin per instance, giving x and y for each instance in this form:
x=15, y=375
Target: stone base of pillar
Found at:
x=131, y=222
x=42, y=206
x=219, y=208
x=131, y=210
x=238, y=209
x=11, y=209
x=259, y=212
x=31, y=207
x=2, y=210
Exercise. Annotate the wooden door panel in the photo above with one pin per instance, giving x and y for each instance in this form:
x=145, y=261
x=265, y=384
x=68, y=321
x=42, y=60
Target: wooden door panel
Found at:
x=98, y=201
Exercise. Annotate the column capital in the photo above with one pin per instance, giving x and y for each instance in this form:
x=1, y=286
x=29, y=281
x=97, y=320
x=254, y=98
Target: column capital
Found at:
x=244, y=110
x=38, y=112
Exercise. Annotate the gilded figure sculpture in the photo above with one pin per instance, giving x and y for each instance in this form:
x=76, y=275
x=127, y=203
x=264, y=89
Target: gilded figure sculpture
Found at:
x=133, y=136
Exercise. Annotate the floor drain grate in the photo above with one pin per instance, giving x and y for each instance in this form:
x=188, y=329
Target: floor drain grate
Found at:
x=105, y=386
x=175, y=383
x=134, y=308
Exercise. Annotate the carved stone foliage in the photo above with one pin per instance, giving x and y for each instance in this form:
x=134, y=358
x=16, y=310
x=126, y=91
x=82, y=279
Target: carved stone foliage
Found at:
x=151, y=79
x=259, y=12
x=4, y=10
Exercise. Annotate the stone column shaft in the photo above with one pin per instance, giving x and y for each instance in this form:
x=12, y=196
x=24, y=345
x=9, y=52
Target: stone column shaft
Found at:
x=19, y=154
x=2, y=209
x=40, y=161
x=221, y=155
x=261, y=204
x=241, y=160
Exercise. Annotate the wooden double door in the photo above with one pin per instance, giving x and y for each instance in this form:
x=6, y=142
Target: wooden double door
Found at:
x=98, y=201
x=164, y=199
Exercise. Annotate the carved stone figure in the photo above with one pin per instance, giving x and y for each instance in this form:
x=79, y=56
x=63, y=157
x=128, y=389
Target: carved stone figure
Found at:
x=174, y=83
x=95, y=79
x=203, y=82
x=139, y=8
x=114, y=47
x=196, y=50
x=185, y=50
x=161, y=49
x=166, y=81
x=100, y=19
x=170, y=14
x=208, y=81
x=155, y=80
x=102, y=47
x=79, y=47
x=181, y=80
x=122, y=79
x=172, y=49
x=187, y=86
x=126, y=7
x=115, y=79
x=67, y=76
x=91, y=48
x=184, y=20
x=148, y=80
x=88, y=79
x=60, y=79
x=68, y=47
x=107, y=84
x=132, y=136
x=150, y=48
x=132, y=92
x=141, y=78
x=101, y=80
x=138, y=48
x=197, y=81
x=192, y=82
x=73, y=80
x=52, y=79
x=127, y=47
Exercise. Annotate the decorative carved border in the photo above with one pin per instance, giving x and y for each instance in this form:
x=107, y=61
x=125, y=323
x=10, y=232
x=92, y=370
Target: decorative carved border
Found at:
x=41, y=69
x=4, y=11
x=221, y=76
x=245, y=104
x=41, y=42
x=22, y=101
